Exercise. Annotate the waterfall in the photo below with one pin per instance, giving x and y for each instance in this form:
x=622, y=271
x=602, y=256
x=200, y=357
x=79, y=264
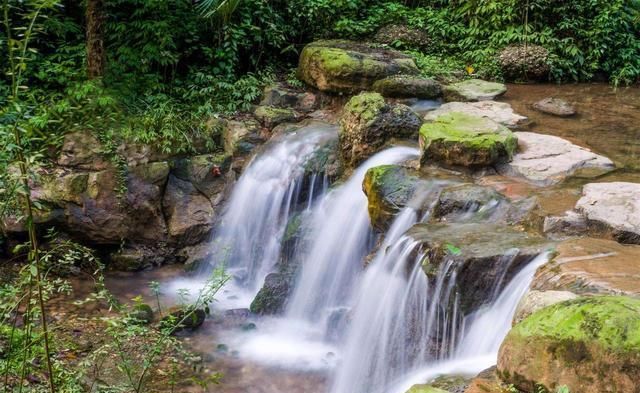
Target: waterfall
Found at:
x=247, y=239
x=342, y=237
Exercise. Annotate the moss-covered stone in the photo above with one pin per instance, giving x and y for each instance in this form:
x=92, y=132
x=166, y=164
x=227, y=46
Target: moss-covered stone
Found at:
x=349, y=67
x=473, y=90
x=58, y=190
x=588, y=344
x=403, y=86
x=271, y=116
x=367, y=123
x=425, y=389
x=389, y=188
x=459, y=139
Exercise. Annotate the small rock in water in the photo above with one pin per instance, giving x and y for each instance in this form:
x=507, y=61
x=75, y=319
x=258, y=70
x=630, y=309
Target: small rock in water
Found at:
x=555, y=106
x=473, y=90
x=222, y=348
x=249, y=326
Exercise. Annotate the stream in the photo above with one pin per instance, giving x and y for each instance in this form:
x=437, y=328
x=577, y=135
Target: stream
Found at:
x=383, y=328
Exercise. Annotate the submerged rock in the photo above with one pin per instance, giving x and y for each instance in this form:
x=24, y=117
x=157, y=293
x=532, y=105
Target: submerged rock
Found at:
x=473, y=90
x=591, y=345
x=368, y=122
x=340, y=66
x=403, y=86
x=460, y=139
x=500, y=112
x=492, y=251
x=525, y=63
x=555, y=106
x=591, y=266
x=546, y=159
x=615, y=206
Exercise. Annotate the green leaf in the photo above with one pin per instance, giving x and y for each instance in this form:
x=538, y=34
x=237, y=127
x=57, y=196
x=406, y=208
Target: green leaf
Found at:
x=453, y=249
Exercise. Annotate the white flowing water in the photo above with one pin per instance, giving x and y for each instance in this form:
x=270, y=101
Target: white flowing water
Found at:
x=247, y=240
x=342, y=237
x=487, y=328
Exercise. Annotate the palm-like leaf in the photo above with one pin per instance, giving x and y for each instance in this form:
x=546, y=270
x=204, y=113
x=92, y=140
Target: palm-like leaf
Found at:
x=222, y=9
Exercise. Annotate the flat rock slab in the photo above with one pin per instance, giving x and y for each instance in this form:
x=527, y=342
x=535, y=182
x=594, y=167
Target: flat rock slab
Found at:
x=405, y=86
x=555, y=106
x=474, y=90
x=592, y=266
x=546, y=160
x=615, y=205
x=500, y=112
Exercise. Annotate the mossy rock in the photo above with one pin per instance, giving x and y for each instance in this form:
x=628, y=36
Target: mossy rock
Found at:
x=271, y=116
x=473, y=90
x=459, y=139
x=389, y=188
x=425, y=389
x=341, y=66
x=142, y=313
x=403, y=86
x=273, y=296
x=368, y=122
x=588, y=344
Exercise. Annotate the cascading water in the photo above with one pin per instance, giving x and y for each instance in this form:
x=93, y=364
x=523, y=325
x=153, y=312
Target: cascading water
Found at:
x=248, y=238
x=342, y=238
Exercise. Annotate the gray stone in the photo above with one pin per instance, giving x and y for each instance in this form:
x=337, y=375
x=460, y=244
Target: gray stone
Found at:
x=555, y=106
x=546, y=159
x=189, y=212
x=500, y=112
x=82, y=150
x=473, y=90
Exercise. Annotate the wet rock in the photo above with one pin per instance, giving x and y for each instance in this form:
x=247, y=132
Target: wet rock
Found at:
x=234, y=318
x=282, y=97
x=591, y=266
x=189, y=212
x=272, y=297
x=486, y=382
x=546, y=159
x=340, y=66
x=206, y=173
x=270, y=116
x=459, y=139
x=181, y=318
x=405, y=86
x=494, y=252
x=241, y=137
x=193, y=256
x=537, y=300
x=591, y=345
x=368, y=122
x=82, y=150
x=525, y=63
x=615, y=206
x=402, y=36
x=139, y=257
x=473, y=90
x=390, y=188
x=500, y=112
x=142, y=312
x=555, y=106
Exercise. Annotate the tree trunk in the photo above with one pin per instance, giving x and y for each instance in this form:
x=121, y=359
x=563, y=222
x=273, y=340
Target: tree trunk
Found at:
x=95, y=38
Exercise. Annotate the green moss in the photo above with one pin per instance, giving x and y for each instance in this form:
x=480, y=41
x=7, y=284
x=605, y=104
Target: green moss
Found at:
x=366, y=106
x=425, y=389
x=611, y=321
x=466, y=134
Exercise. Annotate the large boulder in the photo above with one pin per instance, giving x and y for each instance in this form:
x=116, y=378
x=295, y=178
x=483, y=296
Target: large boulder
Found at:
x=405, y=86
x=402, y=36
x=615, y=206
x=500, y=112
x=339, y=66
x=537, y=300
x=82, y=150
x=390, y=188
x=525, y=63
x=591, y=266
x=546, y=160
x=460, y=139
x=473, y=90
x=189, y=212
x=590, y=345
x=367, y=123
x=494, y=252
x=271, y=116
